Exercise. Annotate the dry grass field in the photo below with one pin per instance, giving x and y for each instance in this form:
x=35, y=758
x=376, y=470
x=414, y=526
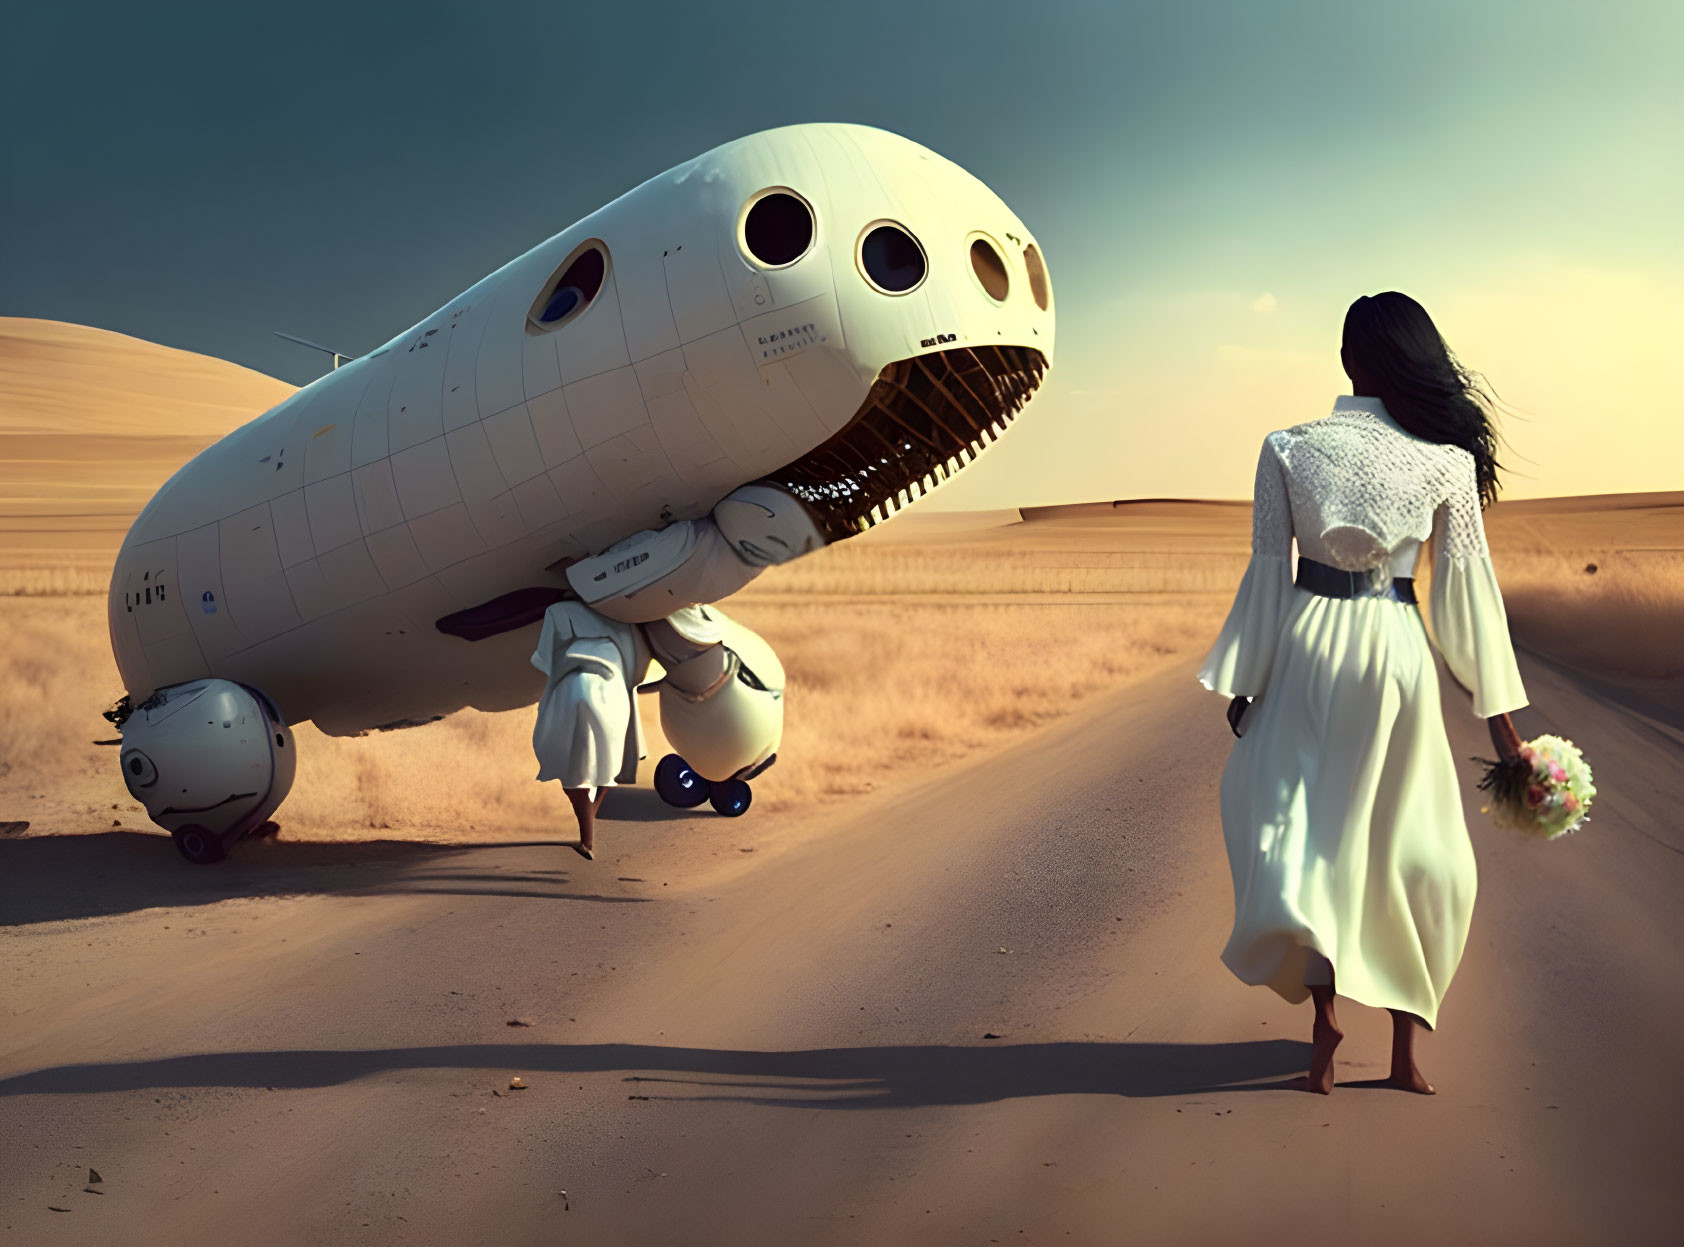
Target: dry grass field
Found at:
x=1598, y=582
x=894, y=665
x=931, y=638
x=880, y=682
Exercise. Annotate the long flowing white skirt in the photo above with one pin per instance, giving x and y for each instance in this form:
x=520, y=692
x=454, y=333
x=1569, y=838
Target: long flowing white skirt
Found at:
x=1342, y=815
x=587, y=733
x=585, y=718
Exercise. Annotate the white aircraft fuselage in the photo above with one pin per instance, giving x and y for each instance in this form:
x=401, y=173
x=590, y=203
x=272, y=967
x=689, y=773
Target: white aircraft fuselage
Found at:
x=691, y=337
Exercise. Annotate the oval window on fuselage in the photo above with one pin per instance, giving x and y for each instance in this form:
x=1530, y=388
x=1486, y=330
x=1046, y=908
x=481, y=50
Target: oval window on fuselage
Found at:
x=891, y=259
x=777, y=228
x=1038, y=284
x=988, y=266
x=571, y=290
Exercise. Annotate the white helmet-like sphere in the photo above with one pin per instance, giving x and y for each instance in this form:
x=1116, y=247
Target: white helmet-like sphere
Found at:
x=209, y=759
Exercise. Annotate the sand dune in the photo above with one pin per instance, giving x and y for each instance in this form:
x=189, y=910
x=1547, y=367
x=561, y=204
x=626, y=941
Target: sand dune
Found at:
x=75, y=381
x=91, y=423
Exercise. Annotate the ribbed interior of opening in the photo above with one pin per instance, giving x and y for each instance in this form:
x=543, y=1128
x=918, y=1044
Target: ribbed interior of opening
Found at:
x=923, y=421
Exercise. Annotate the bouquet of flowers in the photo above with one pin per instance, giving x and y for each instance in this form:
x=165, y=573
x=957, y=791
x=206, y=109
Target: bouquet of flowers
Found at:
x=1545, y=791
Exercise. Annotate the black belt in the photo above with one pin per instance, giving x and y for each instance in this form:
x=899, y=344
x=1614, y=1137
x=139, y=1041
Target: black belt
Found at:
x=1331, y=582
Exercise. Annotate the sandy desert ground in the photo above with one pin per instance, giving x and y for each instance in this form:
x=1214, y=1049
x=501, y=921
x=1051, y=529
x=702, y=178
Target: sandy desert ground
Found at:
x=953, y=980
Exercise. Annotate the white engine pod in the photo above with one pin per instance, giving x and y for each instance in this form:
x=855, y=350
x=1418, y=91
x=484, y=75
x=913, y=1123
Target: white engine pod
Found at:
x=632, y=564
x=210, y=754
x=740, y=724
x=651, y=574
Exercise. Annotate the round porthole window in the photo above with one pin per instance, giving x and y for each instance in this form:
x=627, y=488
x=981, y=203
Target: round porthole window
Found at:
x=777, y=228
x=891, y=258
x=138, y=771
x=573, y=288
x=988, y=266
x=1039, y=287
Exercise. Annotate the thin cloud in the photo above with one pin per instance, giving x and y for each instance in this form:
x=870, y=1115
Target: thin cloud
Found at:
x=1265, y=302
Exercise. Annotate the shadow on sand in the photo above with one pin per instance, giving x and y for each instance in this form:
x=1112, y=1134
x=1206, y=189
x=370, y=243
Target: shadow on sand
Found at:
x=48, y=878
x=911, y=1076
x=630, y=804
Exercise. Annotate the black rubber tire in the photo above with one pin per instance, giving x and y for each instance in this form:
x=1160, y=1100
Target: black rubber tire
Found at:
x=678, y=785
x=199, y=846
x=731, y=798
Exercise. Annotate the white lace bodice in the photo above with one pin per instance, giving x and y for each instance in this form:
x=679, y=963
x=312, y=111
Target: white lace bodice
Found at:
x=1360, y=493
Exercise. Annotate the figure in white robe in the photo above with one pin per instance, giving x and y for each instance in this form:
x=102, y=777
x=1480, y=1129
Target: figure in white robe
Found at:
x=1341, y=806
x=588, y=734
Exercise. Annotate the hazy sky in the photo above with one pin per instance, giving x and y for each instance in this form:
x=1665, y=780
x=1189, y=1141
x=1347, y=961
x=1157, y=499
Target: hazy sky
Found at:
x=1212, y=183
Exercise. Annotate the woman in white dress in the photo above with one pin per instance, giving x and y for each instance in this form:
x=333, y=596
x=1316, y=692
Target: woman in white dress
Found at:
x=588, y=734
x=1340, y=804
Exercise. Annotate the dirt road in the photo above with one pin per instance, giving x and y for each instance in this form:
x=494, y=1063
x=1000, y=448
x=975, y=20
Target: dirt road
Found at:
x=984, y=1008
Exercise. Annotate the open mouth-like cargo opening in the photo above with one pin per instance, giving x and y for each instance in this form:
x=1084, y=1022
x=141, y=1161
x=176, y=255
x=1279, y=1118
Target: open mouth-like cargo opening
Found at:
x=924, y=419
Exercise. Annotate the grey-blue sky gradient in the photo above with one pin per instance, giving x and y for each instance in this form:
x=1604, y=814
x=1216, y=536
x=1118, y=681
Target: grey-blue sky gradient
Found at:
x=201, y=175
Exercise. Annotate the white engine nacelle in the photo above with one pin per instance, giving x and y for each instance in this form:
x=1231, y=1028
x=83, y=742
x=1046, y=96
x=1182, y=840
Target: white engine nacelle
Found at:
x=653, y=573
x=210, y=760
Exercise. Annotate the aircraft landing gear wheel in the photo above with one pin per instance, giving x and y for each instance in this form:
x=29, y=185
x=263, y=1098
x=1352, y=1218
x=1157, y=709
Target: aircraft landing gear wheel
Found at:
x=198, y=845
x=731, y=798
x=677, y=784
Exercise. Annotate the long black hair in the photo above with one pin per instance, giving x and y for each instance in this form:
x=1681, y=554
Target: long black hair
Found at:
x=1393, y=347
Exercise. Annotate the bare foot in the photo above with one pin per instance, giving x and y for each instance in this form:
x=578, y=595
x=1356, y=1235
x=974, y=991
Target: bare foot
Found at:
x=1325, y=1037
x=584, y=809
x=1405, y=1075
x=1410, y=1079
